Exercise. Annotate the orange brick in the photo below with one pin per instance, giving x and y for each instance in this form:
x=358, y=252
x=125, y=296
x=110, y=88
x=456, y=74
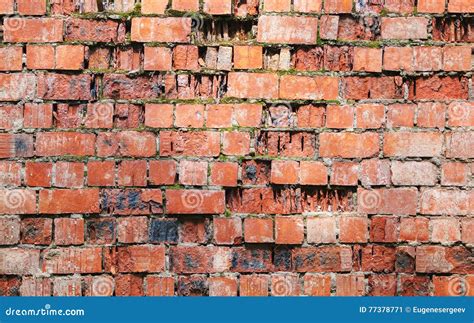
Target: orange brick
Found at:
x=189, y=115
x=254, y=285
x=258, y=230
x=339, y=116
x=217, y=7
x=431, y=6
x=345, y=173
x=289, y=230
x=370, y=116
x=414, y=229
x=353, y=229
x=321, y=229
x=454, y=174
x=228, y=230
x=7, y=6
x=338, y=6
x=277, y=5
x=68, y=231
x=11, y=58
x=445, y=230
x=285, y=172
x=398, y=58
x=157, y=59
x=317, y=285
x=367, y=59
x=162, y=172
x=313, y=173
x=294, y=87
x=219, y=115
x=192, y=172
x=248, y=57
x=236, y=143
x=222, y=286
x=224, y=174
x=307, y=5
x=460, y=6
x=154, y=6
x=159, y=115
x=431, y=115
x=287, y=29
x=400, y=115
x=40, y=57
x=404, y=28
x=185, y=5
x=31, y=7
x=457, y=58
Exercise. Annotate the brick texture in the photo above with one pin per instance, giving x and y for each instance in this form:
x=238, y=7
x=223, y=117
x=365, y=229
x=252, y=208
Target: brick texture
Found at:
x=236, y=148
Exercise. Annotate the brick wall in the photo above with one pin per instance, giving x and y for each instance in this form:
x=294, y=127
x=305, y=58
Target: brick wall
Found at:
x=218, y=147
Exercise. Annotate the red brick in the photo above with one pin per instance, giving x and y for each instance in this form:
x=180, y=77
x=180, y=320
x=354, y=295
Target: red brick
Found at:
x=154, y=29
x=185, y=57
x=404, y=28
x=446, y=202
x=329, y=27
x=11, y=58
x=223, y=286
x=219, y=115
x=384, y=229
x=467, y=227
x=162, y=172
x=353, y=229
x=431, y=6
x=370, y=116
x=159, y=286
x=189, y=116
x=382, y=285
x=350, y=285
x=200, y=259
x=17, y=201
x=159, y=115
x=195, y=202
x=375, y=172
x=7, y=7
x=367, y=59
x=128, y=285
x=53, y=86
x=348, y=145
x=224, y=174
x=17, y=86
x=185, y=5
x=68, y=231
x=285, y=172
x=427, y=58
x=388, y=201
x=90, y=30
x=65, y=143
x=445, y=230
x=317, y=285
x=248, y=57
x=69, y=174
x=40, y=30
x=289, y=230
x=132, y=173
x=10, y=230
x=461, y=114
x=438, y=88
x=460, y=6
x=401, y=115
x=67, y=286
x=413, y=144
x=36, y=231
x=338, y=6
x=69, y=57
x=285, y=285
x=193, y=172
x=321, y=229
x=414, y=173
x=99, y=115
x=194, y=230
x=431, y=115
x=360, y=88
x=414, y=229
x=141, y=258
x=460, y=145
x=196, y=144
x=126, y=143
x=38, y=115
x=438, y=259
x=454, y=174
x=236, y=143
x=157, y=59
x=339, y=116
x=450, y=286
x=313, y=173
x=322, y=259
x=248, y=115
x=69, y=201
x=132, y=229
x=228, y=231
x=72, y=260
x=10, y=173
x=258, y=230
x=154, y=6
x=101, y=173
x=31, y=286
x=308, y=6
x=398, y=58
x=16, y=261
x=217, y=7
x=252, y=85
x=254, y=285
x=286, y=29
x=294, y=87
x=12, y=117
x=345, y=173
x=38, y=173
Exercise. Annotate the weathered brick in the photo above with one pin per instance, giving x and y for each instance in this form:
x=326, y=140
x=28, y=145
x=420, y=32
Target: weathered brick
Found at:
x=195, y=202
x=292, y=30
x=151, y=29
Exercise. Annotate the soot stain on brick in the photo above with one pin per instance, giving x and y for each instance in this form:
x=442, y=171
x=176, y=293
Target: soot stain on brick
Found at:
x=21, y=147
x=162, y=230
x=282, y=258
x=251, y=172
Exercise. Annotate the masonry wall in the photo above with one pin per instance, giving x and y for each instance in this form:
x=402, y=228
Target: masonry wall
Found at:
x=280, y=147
